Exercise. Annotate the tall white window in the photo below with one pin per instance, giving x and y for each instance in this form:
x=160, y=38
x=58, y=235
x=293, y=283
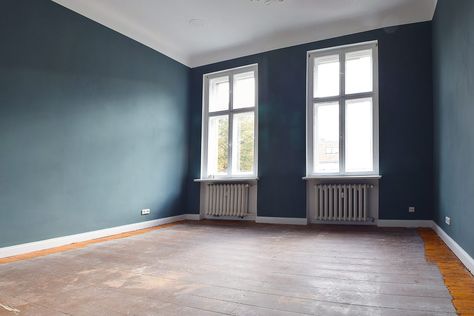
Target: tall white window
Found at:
x=342, y=111
x=229, y=147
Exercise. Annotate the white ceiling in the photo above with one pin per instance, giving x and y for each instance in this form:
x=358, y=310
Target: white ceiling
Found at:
x=199, y=32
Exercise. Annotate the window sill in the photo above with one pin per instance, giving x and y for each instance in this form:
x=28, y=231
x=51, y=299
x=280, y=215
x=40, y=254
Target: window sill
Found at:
x=235, y=179
x=348, y=177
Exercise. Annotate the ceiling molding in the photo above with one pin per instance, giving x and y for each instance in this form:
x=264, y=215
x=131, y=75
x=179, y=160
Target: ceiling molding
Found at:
x=211, y=40
x=434, y=9
x=289, y=40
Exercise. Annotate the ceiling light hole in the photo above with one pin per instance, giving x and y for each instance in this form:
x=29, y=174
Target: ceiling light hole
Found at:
x=197, y=22
x=267, y=2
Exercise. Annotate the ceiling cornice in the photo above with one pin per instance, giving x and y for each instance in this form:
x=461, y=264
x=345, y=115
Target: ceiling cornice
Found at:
x=117, y=21
x=290, y=39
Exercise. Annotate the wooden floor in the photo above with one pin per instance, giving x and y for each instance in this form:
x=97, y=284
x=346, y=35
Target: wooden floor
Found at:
x=249, y=269
x=82, y=244
x=457, y=278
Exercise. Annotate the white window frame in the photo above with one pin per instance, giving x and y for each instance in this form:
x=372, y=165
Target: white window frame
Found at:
x=341, y=99
x=230, y=112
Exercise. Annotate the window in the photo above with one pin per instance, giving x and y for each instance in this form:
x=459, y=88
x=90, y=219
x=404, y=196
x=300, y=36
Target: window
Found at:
x=229, y=147
x=342, y=113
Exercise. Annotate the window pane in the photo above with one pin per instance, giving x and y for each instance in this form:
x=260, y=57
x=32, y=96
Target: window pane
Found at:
x=326, y=137
x=244, y=90
x=359, y=72
x=243, y=143
x=359, y=135
x=326, y=76
x=219, y=94
x=218, y=152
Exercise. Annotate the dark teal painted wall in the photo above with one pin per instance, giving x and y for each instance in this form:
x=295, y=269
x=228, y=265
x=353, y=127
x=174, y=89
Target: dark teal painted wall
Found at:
x=95, y=126
x=92, y=125
x=406, y=123
x=453, y=47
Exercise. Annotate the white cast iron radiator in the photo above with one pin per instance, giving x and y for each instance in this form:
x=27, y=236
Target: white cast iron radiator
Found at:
x=227, y=200
x=342, y=202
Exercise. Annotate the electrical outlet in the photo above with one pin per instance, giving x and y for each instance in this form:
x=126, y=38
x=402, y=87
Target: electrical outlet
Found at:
x=447, y=220
x=411, y=209
x=146, y=211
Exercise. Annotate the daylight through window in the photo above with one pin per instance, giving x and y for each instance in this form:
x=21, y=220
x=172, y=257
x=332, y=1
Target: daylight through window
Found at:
x=343, y=110
x=229, y=123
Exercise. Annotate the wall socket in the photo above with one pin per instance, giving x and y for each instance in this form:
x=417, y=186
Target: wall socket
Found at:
x=411, y=209
x=146, y=211
x=447, y=220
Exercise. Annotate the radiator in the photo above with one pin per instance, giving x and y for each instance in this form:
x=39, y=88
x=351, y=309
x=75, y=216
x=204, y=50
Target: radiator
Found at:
x=227, y=200
x=342, y=202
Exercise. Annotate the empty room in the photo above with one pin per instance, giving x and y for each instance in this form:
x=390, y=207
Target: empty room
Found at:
x=236, y=157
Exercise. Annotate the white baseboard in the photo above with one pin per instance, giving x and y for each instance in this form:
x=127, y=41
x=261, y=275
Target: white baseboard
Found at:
x=465, y=258
x=230, y=218
x=318, y=222
x=281, y=220
x=66, y=240
x=404, y=223
x=192, y=217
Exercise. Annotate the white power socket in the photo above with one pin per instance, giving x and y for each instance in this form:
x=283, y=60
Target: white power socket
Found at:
x=447, y=220
x=411, y=209
x=146, y=211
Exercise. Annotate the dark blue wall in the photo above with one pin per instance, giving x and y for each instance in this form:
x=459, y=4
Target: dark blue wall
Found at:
x=453, y=47
x=406, y=123
x=92, y=125
x=95, y=126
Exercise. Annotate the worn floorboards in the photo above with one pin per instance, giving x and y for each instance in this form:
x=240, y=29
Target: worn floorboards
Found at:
x=232, y=269
x=457, y=278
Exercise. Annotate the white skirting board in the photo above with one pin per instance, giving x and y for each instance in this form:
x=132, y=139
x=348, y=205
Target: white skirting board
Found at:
x=230, y=218
x=465, y=258
x=281, y=220
x=192, y=217
x=404, y=223
x=66, y=240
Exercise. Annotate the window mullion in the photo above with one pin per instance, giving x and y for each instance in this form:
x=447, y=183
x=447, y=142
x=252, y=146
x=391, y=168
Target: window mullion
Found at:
x=219, y=113
x=326, y=99
x=361, y=95
x=205, y=138
x=231, y=124
x=243, y=110
x=342, y=115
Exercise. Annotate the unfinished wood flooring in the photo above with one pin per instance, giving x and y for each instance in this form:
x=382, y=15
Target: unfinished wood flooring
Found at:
x=457, y=278
x=82, y=244
x=248, y=269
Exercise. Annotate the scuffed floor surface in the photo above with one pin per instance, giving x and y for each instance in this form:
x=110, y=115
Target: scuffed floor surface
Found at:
x=233, y=269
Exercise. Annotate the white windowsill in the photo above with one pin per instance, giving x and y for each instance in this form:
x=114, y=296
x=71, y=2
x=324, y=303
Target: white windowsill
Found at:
x=235, y=179
x=319, y=177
